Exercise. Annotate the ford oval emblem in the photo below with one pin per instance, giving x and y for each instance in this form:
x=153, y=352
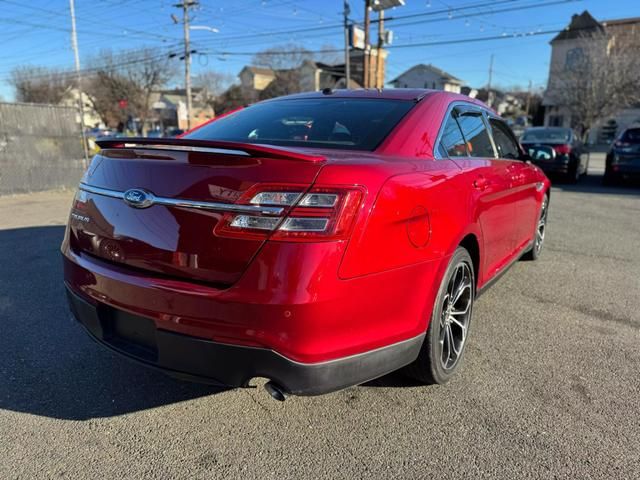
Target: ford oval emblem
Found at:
x=138, y=198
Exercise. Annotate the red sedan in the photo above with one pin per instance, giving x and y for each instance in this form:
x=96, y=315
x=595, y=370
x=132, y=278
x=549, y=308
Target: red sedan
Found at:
x=319, y=240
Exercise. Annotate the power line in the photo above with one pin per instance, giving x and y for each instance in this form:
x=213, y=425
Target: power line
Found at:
x=64, y=29
x=421, y=44
x=435, y=20
x=99, y=68
x=478, y=14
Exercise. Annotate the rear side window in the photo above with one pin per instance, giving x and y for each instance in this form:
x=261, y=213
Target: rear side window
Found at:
x=341, y=123
x=631, y=136
x=547, y=135
x=452, y=142
x=475, y=132
x=505, y=144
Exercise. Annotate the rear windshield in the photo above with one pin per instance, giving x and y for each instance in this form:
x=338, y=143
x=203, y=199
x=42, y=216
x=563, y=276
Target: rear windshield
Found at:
x=352, y=123
x=550, y=135
x=631, y=136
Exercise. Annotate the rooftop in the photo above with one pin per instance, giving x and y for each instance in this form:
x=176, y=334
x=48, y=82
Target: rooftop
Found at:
x=445, y=75
x=586, y=23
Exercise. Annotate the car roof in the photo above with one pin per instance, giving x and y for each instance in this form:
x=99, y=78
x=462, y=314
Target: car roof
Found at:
x=386, y=93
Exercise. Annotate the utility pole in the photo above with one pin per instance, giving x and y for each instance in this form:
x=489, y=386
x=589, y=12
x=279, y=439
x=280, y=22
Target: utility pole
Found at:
x=74, y=46
x=489, y=99
x=528, y=101
x=347, y=66
x=367, y=48
x=379, y=81
x=185, y=5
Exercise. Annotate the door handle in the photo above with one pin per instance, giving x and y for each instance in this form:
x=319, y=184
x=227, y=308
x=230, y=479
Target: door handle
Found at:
x=480, y=183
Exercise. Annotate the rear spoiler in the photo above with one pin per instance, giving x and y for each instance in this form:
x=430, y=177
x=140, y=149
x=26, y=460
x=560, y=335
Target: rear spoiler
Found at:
x=210, y=146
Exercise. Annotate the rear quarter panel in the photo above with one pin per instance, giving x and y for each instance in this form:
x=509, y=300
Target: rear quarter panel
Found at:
x=415, y=218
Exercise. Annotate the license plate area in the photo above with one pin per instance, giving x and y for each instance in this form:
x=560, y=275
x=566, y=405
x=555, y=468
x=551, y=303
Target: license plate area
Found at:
x=129, y=333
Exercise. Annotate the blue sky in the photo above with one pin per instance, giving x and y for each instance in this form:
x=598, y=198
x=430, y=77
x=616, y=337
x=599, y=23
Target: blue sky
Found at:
x=37, y=32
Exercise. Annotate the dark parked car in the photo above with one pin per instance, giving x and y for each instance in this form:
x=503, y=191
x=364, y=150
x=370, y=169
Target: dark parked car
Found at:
x=174, y=132
x=623, y=160
x=155, y=134
x=557, y=151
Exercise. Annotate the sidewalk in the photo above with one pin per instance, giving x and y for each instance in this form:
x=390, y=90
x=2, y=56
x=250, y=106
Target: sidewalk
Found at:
x=33, y=209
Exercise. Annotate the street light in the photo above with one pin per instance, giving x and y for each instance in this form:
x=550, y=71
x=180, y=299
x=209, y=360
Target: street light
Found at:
x=379, y=5
x=204, y=27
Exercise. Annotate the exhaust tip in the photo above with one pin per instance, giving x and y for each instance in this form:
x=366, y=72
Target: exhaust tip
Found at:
x=276, y=391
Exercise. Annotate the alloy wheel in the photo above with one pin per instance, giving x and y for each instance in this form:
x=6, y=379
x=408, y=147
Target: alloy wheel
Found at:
x=542, y=225
x=455, y=315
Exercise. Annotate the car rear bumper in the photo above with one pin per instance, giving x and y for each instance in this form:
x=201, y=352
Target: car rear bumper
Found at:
x=198, y=359
x=626, y=169
x=560, y=166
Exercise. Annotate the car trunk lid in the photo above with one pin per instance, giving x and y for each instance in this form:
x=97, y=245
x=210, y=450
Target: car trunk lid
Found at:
x=154, y=204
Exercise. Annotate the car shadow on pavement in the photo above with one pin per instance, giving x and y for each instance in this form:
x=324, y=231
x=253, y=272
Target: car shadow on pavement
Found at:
x=395, y=379
x=48, y=364
x=592, y=183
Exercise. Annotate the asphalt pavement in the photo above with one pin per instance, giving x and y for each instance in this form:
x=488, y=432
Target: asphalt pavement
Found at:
x=549, y=388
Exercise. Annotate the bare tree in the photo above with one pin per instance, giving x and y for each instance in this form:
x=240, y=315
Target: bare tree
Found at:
x=123, y=83
x=235, y=96
x=40, y=84
x=330, y=55
x=284, y=61
x=282, y=57
x=213, y=84
x=601, y=76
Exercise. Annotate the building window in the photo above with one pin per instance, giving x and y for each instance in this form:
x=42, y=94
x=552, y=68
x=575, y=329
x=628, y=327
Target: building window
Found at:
x=556, y=121
x=575, y=59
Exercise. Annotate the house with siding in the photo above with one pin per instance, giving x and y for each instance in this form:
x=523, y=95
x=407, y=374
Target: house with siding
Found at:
x=427, y=76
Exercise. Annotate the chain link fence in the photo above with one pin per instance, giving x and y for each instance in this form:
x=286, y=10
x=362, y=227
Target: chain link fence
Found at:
x=40, y=148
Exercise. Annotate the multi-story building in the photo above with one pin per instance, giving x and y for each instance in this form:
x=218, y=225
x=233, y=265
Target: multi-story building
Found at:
x=570, y=49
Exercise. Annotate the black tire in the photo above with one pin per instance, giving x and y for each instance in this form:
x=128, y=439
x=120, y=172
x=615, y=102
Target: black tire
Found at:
x=586, y=167
x=609, y=179
x=574, y=172
x=540, y=233
x=430, y=367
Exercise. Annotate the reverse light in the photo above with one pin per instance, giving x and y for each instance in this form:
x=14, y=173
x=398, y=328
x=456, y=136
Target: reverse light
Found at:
x=276, y=198
x=304, y=224
x=325, y=200
x=255, y=222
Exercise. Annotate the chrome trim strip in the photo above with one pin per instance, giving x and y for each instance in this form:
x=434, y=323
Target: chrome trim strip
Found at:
x=101, y=191
x=174, y=202
x=187, y=148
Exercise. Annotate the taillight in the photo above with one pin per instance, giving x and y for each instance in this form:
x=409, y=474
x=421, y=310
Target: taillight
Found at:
x=321, y=214
x=562, y=149
x=80, y=200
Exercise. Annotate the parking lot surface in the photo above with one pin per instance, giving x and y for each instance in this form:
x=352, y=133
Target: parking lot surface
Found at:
x=549, y=387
